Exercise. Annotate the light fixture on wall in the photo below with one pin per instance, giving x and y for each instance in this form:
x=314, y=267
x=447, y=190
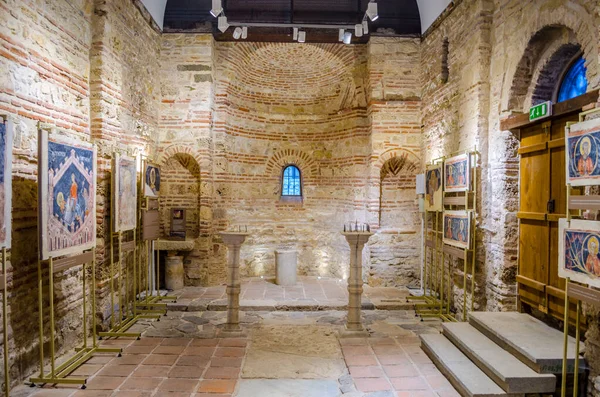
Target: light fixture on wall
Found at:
x=217, y=8
x=347, y=38
x=365, y=25
x=301, y=36
x=237, y=33
x=223, y=25
x=341, y=34
x=372, y=12
x=358, y=30
x=244, y=32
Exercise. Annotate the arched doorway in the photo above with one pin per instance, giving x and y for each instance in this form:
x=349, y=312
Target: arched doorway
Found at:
x=551, y=67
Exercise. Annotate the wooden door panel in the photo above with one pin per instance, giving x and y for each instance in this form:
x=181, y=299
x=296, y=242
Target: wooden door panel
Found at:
x=533, y=250
x=535, y=182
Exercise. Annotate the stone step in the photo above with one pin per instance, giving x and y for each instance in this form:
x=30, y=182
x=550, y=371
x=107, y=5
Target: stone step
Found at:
x=534, y=343
x=469, y=380
x=505, y=369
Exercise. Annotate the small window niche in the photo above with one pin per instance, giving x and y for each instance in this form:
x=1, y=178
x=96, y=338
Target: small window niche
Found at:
x=291, y=184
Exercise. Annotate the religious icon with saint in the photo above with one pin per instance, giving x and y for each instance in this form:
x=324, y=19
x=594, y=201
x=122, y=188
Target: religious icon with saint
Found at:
x=457, y=173
x=578, y=249
x=151, y=180
x=457, y=228
x=433, y=187
x=582, y=141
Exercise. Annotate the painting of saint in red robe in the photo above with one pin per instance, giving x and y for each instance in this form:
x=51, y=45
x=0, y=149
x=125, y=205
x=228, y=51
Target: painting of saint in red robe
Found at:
x=583, y=143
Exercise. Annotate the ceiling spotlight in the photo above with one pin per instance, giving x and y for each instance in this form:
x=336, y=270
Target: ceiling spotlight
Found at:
x=372, y=11
x=245, y=32
x=295, y=37
x=358, y=30
x=217, y=8
x=365, y=24
x=301, y=36
x=223, y=25
x=237, y=33
x=341, y=35
x=347, y=38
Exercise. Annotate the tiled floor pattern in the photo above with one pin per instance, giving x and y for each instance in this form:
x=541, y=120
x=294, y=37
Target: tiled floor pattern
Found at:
x=308, y=291
x=388, y=364
x=161, y=367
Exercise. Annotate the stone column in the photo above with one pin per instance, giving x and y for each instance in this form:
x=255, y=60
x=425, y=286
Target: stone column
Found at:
x=234, y=242
x=354, y=327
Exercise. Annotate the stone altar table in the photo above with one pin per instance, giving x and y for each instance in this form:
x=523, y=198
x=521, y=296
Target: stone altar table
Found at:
x=234, y=241
x=174, y=264
x=356, y=241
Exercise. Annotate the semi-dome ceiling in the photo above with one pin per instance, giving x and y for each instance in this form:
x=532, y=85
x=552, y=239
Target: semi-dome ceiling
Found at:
x=401, y=17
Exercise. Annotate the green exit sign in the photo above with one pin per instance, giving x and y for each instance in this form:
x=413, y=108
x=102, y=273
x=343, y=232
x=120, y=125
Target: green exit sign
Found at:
x=540, y=111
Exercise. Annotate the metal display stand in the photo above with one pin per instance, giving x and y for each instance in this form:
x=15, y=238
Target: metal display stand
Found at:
x=5, y=323
x=59, y=374
x=438, y=292
x=152, y=302
x=573, y=290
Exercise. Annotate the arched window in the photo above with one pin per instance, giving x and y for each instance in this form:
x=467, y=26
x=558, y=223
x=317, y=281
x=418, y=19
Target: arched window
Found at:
x=574, y=83
x=291, y=184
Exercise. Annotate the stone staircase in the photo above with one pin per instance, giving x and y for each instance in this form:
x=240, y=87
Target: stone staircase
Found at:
x=499, y=354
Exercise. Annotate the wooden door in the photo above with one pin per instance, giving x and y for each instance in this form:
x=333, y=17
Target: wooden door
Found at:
x=542, y=204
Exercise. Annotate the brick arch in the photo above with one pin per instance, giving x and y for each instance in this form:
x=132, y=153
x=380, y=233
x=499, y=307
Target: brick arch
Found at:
x=174, y=150
x=397, y=158
x=575, y=21
x=285, y=157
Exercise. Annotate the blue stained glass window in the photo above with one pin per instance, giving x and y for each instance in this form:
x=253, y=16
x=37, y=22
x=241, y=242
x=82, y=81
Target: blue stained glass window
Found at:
x=574, y=83
x=291, y=181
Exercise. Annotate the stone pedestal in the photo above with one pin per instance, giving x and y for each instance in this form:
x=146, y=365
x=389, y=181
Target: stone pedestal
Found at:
x=234, y=242
x=354, y=327
x=174, y=271
x=286, y=267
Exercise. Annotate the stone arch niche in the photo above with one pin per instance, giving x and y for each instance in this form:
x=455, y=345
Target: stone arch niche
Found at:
x=395, y=247
x=180, y=188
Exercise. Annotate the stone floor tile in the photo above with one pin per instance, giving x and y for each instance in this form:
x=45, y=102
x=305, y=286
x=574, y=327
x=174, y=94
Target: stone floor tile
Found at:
x=105, y=382
x=372, y=384
x=151, y=371
x=360, y=360
x=428, y=369
x=188, y=371
x=176, y=341
x=117, y=370
x=53, y=393
x=226, y=362
x=230, y=352
x=204, y=342
x=147, y=384
x=129, y=359
x=423, y=393
x=353, y=341
x=101, y=359
x=93, y=393
x=409, y=383
x=160, y=359
x=222, y=373
x=356, y=350
x=397, y=371
x=420, y=358
x=217, y=386
x=147, y=342
x=373, y=371
x=143, y=349
x=450, y=392
x=177, y=349
x=204, y=351
x=210, y=395
x=195, y=361
x=87, y=369
x=395, y=359
x=233, y=342
x=130, y=393
x=181, y=385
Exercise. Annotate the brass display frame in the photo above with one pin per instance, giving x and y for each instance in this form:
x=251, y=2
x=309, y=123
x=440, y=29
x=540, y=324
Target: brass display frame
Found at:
x=438, y=301
x=3, y=289
x=59, y=374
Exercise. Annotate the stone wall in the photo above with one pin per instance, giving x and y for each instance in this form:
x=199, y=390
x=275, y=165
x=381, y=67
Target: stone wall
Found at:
x=83, y=68
x=504, y=55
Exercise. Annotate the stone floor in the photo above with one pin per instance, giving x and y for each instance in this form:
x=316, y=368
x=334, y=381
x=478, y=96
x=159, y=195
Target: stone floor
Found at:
x=285, y=354
x=309, y=294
